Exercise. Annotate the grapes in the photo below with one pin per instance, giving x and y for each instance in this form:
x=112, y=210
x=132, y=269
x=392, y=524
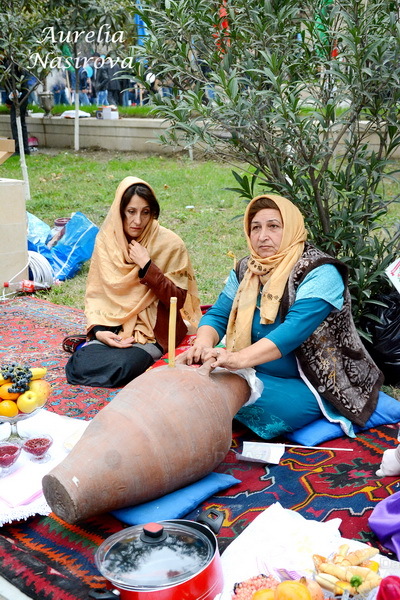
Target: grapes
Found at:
x=20, y=376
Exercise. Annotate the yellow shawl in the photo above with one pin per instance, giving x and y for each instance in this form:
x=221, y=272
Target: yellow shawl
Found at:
x=270, y=274
x=114, y=294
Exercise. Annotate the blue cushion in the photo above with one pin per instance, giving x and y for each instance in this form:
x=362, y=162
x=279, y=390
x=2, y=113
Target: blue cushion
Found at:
x=178, y=503
x=313, y=434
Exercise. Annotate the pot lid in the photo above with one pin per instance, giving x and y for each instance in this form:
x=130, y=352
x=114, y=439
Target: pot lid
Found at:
x=156, y=555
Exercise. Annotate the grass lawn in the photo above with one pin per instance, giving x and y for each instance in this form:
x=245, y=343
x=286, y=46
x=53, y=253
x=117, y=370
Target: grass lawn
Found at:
x=192, y=197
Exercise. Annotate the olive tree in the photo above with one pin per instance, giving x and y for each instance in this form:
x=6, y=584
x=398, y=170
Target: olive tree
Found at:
x=296, y=90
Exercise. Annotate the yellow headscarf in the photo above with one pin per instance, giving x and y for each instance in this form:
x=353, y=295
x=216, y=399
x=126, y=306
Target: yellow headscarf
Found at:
x=271, y=274
x=114, y=294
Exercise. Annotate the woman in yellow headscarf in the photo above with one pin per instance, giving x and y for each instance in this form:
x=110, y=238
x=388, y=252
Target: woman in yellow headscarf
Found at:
x=286, y=312
x=136, y=267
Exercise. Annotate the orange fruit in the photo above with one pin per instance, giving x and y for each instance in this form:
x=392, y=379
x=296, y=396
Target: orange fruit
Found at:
x=5, y=394
x=292, y=590
x=8, y=408
x=263, y=594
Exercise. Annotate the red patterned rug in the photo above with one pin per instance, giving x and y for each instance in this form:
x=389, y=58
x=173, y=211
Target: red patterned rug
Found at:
x=49, y=560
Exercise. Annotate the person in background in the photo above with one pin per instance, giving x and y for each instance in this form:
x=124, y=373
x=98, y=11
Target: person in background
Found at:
x=59, y=88
x=286, y=312
x=33, y=82
x=84, y=86
x=3, y=95
x=92, y=62
x=114, y=87
x=102, y=80
x=136, y=267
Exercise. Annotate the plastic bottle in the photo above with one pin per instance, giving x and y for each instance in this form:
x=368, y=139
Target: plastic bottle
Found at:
x=25, y=286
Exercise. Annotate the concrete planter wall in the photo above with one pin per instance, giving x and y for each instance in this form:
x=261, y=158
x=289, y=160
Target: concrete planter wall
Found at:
x=137, y=135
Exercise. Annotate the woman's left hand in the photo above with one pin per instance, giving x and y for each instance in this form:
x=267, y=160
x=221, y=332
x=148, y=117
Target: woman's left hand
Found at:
x=138, y=254
x=226, y=359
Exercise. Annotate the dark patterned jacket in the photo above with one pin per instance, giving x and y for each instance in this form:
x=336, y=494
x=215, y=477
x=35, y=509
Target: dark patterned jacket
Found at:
x=333, y=358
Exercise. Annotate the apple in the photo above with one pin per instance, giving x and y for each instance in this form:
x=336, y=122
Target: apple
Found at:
x=27, y=402
x=42, y=389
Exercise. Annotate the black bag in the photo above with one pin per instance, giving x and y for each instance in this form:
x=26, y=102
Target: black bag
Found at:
x=385, y=345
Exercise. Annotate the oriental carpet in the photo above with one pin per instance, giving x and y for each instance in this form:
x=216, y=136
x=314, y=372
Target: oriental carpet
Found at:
x=48, y=559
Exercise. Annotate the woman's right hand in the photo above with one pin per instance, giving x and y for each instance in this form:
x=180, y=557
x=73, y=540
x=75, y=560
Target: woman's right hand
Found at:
x=197, y=354
x=114, y=340
x=202, y=349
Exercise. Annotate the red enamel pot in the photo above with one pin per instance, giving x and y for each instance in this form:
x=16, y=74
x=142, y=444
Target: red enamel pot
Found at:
x=167, y=560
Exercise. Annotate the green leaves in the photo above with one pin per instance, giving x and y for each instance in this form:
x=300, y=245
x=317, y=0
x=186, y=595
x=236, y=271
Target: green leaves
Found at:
x=247, y=185
x=320, y=130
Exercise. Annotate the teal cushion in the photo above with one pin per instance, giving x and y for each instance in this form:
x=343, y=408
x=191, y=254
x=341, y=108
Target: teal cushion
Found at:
x=313, y=434
x=176, y=504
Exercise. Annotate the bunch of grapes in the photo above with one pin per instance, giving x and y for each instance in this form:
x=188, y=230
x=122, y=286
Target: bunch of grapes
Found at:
x=20, y=376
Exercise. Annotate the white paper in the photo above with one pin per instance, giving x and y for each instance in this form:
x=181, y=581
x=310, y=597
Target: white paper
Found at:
x=262, y=452
x=393, y=272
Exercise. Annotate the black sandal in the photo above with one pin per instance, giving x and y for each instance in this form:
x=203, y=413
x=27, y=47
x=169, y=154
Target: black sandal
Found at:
x=71, y=342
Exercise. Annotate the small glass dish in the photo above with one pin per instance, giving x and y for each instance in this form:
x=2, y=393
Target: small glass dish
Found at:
x=9, y=453
x=37, y=446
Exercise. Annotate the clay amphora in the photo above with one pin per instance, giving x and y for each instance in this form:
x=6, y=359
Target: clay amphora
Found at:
x=166, y=429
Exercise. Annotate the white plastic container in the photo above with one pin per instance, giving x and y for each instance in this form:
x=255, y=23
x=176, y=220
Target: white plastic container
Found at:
x=13, y=231
x=109, y=113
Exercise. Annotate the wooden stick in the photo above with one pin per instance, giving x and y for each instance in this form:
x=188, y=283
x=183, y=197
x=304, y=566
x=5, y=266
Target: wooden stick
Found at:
x=172, y=331
x=232, y=255
x=318, y=448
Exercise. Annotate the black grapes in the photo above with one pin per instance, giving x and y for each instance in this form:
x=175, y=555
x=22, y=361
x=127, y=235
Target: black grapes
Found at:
x=20, y=376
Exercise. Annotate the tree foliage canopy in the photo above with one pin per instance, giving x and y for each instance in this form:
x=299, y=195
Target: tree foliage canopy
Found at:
x=295, y=89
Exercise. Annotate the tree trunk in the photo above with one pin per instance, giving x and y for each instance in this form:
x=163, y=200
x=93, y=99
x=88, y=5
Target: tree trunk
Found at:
x=76, y=121
x=24, y=169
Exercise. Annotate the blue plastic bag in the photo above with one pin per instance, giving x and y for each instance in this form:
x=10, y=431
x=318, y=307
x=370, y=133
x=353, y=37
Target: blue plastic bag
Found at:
x=38, y=231
x=72, y=250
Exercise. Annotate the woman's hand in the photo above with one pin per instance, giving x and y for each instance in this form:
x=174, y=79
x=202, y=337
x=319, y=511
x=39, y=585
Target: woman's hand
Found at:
x=138, y=254
x=197, y=354
x=114, y=340
x=227, y=360
x=203, y=347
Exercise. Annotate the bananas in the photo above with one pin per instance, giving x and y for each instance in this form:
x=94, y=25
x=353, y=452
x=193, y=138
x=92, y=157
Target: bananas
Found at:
x=20, y=376
x=38, y=372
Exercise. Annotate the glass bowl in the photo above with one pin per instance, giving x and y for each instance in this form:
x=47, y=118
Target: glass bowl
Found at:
x=15, y=436
x=9, y=453
x=37, y=446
